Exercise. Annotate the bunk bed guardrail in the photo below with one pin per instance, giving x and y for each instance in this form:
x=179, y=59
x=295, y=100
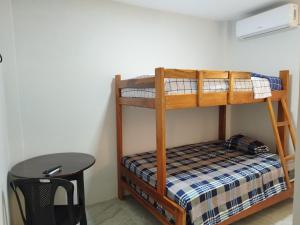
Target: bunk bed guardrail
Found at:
x=201, y=98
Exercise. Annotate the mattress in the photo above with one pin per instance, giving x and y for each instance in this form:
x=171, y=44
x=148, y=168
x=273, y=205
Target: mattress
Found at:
x=209, y=182
x=177, y=86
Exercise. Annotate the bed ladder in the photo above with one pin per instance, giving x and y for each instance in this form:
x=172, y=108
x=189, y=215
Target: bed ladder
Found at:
x=281, y=148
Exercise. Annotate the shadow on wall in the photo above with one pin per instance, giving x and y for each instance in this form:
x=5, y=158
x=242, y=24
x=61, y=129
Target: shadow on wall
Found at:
x=14, y=211
x=101, y=178
x=4, y=213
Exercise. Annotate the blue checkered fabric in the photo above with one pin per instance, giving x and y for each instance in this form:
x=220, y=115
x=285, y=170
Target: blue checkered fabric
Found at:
x=209, y=181
x=275, y=82
x=248, y=145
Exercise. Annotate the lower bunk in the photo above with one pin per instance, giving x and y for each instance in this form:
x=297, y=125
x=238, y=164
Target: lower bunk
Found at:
x=213, y=185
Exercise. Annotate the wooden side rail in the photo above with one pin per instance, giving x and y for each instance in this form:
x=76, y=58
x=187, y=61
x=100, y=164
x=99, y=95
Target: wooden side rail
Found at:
x=210, y=74
x=214, y=98
x=247, y=97
x=138, y=102
x=183, y=74
x=235, y=97
x=180, y=101
x=146, y=82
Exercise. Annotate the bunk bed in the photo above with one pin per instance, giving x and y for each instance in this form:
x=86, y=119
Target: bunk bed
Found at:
x=203, y=183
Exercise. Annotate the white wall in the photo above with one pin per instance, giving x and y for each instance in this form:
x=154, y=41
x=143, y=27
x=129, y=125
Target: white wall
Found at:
x=10, y=81
x=268, y=55
x=4, y=155
x=10, y=127
x=296, y=215
x=68, y=53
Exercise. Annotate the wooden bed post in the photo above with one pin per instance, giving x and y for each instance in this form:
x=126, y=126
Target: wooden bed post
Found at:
x=222, y=122
x=119, y=125
x=284, y=76
x=160, y=108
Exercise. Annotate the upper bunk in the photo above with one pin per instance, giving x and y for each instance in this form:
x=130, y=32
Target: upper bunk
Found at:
x=176, y=89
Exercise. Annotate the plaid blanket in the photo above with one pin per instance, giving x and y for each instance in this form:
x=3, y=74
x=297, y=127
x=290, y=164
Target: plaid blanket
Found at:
x=210, y=182
x=275, y=82
x=176, y=86
x=246, y=144
x=261, y=87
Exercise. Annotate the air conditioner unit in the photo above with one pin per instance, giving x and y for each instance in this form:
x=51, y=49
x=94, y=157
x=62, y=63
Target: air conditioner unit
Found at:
x=283, y=17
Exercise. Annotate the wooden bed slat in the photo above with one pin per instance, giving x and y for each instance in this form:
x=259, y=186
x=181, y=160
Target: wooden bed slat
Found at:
x=289, y=157
x=207, y=74
x=175, y=73
x=139, y=102
x=213, y=99
x=181, y=101
x=282, y=124
x=247, y=97
x=240, y=75
x=289, y=121
x=284, y=76
x=148, y=82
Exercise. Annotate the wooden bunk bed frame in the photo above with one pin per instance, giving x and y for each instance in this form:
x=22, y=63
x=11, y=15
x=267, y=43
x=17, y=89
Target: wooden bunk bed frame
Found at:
x=163, y=102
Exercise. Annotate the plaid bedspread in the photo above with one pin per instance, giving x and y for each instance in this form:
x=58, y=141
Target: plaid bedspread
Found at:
x=175, y=86
x=275, y=82
x=211, y=183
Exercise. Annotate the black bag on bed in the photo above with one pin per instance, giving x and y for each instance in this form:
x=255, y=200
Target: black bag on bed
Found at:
x=246, y=144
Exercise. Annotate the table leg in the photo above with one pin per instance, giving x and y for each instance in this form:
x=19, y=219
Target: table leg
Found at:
x=81, y=197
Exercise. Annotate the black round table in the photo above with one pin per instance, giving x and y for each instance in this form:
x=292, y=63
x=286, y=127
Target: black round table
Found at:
x=72, y=168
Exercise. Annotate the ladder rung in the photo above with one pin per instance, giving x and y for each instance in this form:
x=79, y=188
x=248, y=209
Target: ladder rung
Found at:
x=282, y=124
x=289, y=157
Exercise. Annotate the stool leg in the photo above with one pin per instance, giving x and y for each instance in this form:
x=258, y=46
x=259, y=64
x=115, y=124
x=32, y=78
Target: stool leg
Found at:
x=81, y=197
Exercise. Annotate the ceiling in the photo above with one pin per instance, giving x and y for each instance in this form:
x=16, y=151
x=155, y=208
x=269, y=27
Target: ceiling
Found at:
x=210, y=9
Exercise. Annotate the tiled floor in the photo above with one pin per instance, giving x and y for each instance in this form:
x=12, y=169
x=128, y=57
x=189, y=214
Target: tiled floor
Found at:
x=129, y=212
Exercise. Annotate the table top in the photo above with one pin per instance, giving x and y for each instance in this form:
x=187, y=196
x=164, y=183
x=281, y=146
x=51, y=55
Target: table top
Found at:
x=72, y=164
